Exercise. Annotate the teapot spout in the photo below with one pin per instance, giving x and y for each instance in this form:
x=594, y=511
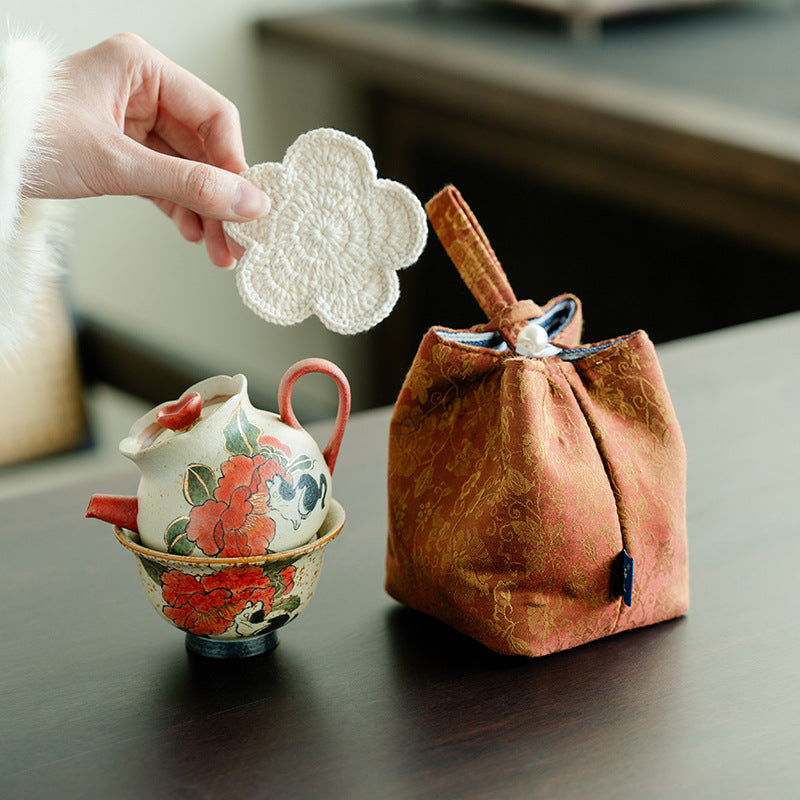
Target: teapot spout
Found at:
x=115, y=508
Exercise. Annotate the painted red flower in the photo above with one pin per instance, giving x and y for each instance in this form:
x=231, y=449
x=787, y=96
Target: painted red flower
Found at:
x=235, y=522
x=287, y=577
x=206, y=605
x=276, y=444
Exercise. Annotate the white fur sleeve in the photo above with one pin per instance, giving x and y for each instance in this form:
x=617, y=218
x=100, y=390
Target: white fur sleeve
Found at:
x=30, y=230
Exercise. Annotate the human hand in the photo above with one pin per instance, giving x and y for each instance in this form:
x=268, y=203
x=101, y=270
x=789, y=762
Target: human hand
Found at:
x=130, y=122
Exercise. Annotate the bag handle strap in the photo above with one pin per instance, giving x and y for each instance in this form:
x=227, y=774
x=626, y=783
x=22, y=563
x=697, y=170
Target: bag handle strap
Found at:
x=469, y=249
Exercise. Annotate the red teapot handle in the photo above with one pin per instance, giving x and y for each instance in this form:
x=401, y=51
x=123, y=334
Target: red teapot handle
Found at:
x=288, y=381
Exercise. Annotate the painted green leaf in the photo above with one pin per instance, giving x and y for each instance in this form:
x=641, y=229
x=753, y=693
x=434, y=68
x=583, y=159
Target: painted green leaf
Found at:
x=273, y=573
x=241, y=436
x=278, y=585
x=287, y=604
x=155, y=571
x=301, y=463
x=269, y=452
x=273, y=569
x=198, y=484
x=175, y=537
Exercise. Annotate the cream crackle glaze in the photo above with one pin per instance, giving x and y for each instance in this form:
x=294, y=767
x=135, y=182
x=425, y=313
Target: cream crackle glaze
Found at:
x=222, y=479
x=233, y=511
x=232, y=607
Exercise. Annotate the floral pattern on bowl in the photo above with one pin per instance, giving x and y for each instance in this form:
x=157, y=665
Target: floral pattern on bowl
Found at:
x=229, y=599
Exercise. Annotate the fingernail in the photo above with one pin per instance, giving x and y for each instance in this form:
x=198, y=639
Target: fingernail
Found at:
x=249, y=202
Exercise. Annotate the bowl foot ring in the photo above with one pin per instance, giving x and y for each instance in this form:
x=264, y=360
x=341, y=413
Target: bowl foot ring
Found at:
x=231, y=648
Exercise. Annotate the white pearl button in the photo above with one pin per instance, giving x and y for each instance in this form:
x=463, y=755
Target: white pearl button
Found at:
x=532, y=340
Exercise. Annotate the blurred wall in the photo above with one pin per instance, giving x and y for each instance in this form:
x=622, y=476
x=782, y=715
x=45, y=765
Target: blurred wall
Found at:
x=128, y=265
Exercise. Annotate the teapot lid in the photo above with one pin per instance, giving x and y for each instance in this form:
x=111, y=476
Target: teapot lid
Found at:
x=169, y=420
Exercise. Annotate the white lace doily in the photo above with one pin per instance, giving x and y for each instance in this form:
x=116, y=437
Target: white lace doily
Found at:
x=334, y=238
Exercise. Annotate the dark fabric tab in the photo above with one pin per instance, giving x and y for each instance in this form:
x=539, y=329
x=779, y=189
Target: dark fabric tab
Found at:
x=627, y=578
x=622, y=577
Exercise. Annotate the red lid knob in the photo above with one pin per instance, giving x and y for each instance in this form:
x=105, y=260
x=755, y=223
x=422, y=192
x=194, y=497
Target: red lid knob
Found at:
x=181, y=414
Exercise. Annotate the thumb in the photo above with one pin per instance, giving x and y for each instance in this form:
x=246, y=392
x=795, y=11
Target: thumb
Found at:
x=208, y=190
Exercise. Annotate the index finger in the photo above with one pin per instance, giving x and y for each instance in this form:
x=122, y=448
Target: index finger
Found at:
x=202, y=109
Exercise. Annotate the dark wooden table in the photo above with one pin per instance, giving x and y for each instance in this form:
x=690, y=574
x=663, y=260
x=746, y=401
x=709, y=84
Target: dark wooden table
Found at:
x=364, y=699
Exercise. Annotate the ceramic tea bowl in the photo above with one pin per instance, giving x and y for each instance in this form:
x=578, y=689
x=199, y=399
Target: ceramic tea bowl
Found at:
x=231, y=607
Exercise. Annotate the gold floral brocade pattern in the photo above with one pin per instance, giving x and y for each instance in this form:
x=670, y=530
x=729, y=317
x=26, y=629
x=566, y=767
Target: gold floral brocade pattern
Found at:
x=512, y=493
x=515, y=483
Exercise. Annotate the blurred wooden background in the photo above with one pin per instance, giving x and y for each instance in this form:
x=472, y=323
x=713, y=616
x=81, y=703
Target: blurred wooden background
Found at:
x=654, y=172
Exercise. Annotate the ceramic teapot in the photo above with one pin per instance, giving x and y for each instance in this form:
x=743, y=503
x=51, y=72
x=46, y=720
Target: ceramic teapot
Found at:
x=222, y=479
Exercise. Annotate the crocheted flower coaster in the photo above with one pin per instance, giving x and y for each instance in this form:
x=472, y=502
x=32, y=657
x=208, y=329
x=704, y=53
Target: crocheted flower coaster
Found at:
x=334, y=238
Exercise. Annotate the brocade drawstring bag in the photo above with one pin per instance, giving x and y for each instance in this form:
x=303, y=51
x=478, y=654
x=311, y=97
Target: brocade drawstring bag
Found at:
x=536, y=485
